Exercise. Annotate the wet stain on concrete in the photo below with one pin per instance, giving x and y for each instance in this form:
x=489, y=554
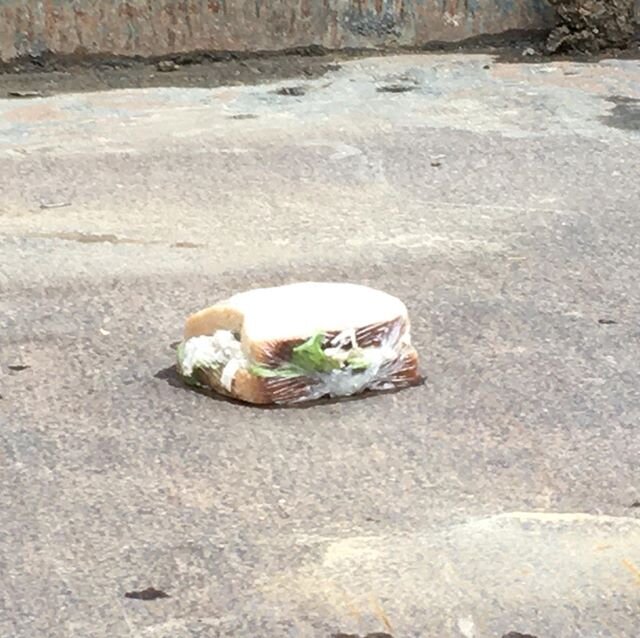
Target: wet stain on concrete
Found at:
x=625, y=114
x=92, y=238
x=86, y=238
x=108, y=238
x=187, y=244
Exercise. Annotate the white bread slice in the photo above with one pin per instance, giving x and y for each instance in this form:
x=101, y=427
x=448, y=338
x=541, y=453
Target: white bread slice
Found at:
x=294, y=312
x=270, y=322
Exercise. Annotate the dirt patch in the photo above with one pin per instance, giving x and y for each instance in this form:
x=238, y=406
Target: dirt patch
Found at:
x=591, y=26
x=44, y=75
x=530, y=46
x=47, y=75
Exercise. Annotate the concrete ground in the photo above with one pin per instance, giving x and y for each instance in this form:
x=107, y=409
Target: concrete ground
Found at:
x=500, y=201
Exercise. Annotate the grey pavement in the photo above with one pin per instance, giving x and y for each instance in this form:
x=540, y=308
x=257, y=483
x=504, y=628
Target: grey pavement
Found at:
x=500, y=201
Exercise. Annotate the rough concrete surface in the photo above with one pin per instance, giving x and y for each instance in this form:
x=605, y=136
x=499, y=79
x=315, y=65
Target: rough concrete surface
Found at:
x=500, y=201
x=142, y=27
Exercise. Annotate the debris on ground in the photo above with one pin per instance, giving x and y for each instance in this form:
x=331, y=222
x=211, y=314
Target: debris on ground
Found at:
x=150, y=593
x=50, y=205
x=591, y=26
x=291, y=91
x=166, y=66
x=244, y=116
x=18, y=368
x=396, y=88
x=24, y=95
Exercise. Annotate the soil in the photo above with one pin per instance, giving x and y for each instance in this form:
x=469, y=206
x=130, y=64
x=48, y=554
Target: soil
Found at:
x=46, y=75
x=34, y=77
x=592, y=25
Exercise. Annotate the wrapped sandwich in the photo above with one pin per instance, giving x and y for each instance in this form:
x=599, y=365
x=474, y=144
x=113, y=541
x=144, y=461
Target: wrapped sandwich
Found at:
x=300, y=342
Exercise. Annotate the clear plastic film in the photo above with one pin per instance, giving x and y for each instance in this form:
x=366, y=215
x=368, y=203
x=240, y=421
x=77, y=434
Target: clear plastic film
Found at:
x=327, y=364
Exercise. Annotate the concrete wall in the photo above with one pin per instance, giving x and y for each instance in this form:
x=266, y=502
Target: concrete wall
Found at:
x=156, y=27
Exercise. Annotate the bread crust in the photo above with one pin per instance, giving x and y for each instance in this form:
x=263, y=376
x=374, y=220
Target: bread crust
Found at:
x=222, y=316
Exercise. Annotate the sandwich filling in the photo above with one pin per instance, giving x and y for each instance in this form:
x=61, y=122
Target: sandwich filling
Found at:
x=221, y=353
x=339, y=365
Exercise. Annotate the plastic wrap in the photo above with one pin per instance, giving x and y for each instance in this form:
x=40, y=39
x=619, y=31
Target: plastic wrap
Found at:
x=375, y=357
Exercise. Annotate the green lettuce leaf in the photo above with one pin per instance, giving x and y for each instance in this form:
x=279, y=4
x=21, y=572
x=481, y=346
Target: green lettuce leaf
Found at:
x=310, y=356
x=287, y=372
x=180, y=351
x=356, y=360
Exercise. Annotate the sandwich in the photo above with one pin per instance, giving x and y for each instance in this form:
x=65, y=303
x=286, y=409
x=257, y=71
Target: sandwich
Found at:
x=300, y=342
